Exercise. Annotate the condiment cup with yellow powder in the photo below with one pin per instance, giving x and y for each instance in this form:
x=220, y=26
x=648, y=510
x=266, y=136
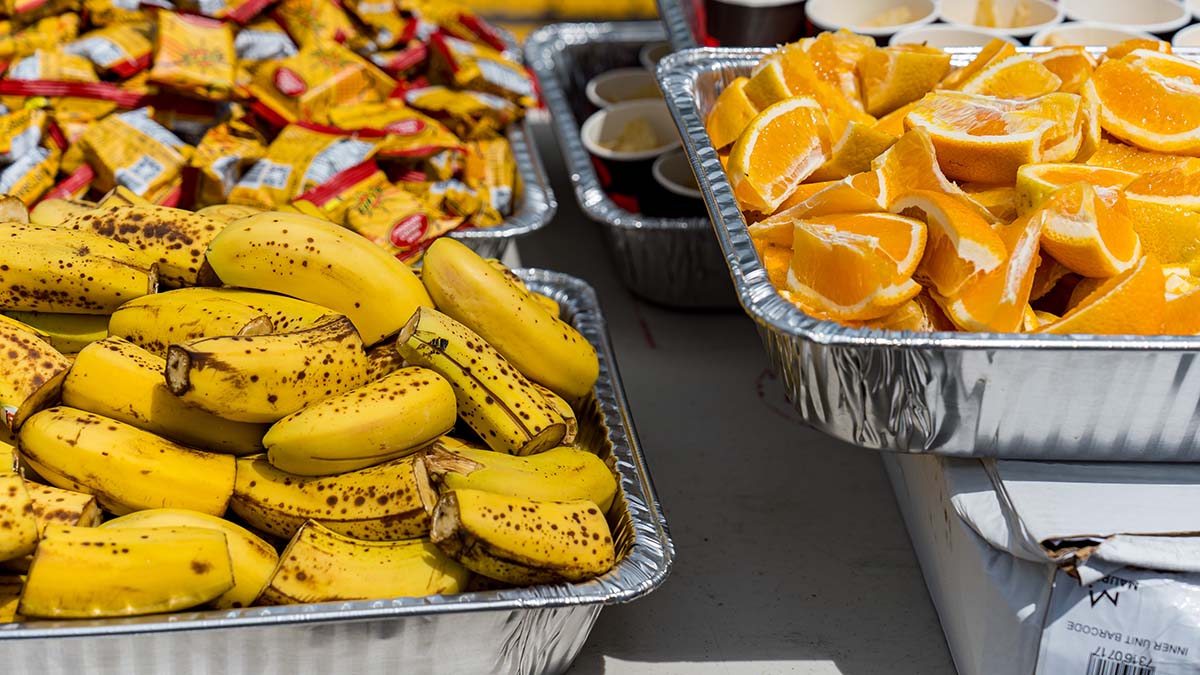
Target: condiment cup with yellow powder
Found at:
x=624, y=139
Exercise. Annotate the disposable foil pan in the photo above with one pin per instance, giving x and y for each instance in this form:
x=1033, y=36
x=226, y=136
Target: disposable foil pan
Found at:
x=533, y=203
x=671, y=261
x=529, y=630
x=1067, y=397
x=682, y=21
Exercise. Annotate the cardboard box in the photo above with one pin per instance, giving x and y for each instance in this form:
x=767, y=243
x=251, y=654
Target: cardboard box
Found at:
x=1058, y=569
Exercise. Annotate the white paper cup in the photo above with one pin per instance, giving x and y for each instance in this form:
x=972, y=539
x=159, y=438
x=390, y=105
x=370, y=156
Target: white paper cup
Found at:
x=1087, y=34
x=1042, y=14
x=622, y=84
x=856, y=14
x=651, y=54
x=941, y=36
x=1194, y=7
x=623, y=172
x=1187, y=37
x=1160, y=17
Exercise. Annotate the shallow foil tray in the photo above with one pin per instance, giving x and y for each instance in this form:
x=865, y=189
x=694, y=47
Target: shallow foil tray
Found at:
x=529, y=630
x=533, y=202
x=1064, y=397
x=670, y=261
x=681, y=20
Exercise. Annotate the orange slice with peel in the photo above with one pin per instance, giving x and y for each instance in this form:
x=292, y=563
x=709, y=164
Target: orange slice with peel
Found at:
x=1072, y=65
x=986, y=139
x=780, y=147
x=994, y=51
x=893, y=122
x=836, y=56
x=730, y=114
x=1131, y=303
x=960, y=245
x=856, y=266
x=1118, y=155
x=1036, y=182
x=853, y=194
x=900, y=74
x=1017, y=76
x=921, y=314
x=1088, y=235
x=855, y=145
x=1151, y=100
x=802, y=79
x=802, y=192
x=767, y=84
x=1165, y=207
x=911, y=164
x=1182, y=316
x=999, y=200
x=1126, y=47
x=996, y=302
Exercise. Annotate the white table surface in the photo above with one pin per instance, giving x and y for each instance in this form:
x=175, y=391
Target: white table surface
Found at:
x=790, y=553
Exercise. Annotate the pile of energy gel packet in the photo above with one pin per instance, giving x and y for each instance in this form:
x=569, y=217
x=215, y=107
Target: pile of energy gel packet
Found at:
x=387, y=117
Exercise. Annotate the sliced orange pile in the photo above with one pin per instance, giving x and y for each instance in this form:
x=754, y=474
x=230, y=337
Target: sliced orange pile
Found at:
x=1087, y=235
x=996, y=302
x=1036, y=182
x=961, y=246
x=1072, y=65
x=780, y=147
x=1149, y=99
x=1015, y=77
x=900, y=74
x=1132, y=303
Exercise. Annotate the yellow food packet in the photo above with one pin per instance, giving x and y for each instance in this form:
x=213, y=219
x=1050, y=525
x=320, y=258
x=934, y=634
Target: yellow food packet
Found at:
x=195, y=56
x=241, y=11
x=492, y=170
x=466, y=65
x=31, y=175
x=469, y=114
x=444, y=165
x=25, y=12
x=404, y=132
x=74, y=186
x=106, y=12
x=133, y=150
x=401, y=63
x=399, y=222
x=387, y=27
x=318, y=22
x=50, y=31
x=347, y=190
x=122, y=49
x=221, y=156
x=299, y=159
x=453, y=197
x=313, y=82
x=457, y=20
x=263, y=40
x=21, y=132
x=57, y=65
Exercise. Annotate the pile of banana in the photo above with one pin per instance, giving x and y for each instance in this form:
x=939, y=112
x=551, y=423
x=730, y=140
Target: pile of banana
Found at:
x=301, y=418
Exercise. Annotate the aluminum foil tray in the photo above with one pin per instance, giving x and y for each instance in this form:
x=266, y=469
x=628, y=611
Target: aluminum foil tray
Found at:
x=670, y=261
x=1062, y=397
x=529, y=630
x=681, y=20
x=533, y=206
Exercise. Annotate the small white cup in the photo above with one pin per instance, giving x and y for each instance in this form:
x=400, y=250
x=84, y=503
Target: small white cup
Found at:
x=1043, y=14
x=854, y=15
x=606, y=125
x=622, y=84
x=1187, y=37
x=1087, y=34
x=651, y=54
x=1194, y=7
x=1160, y=17
x=942, y=36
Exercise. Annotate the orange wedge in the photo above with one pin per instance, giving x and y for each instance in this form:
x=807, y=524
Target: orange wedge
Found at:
x=802, y=79
x=1151, y=100
x=1182, y=315
x=994, y=51
x=960, y=247
x=911, y=164
x=985, y=139
x=920, y=314
x=776, y=260
x=1045, y=318
x=835, y=57
x=1131, y=303
x=780, y=147
x=1017, y=76
x=802, y=192
x=730, y=114
x=767, y=84
x=1166, y=214
x=1072, y=65
x=999, y=200
x=853, y=194
x=856, y=266
x=1036, y=182
x=1117, y=155
x=1087, y=235
x=900, y=74
x=1029, y=320
x=996, y=302
x=1126, y=47
x=854, y=146
x=893, y=122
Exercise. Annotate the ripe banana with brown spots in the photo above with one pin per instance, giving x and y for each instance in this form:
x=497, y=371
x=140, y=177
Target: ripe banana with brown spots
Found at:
x=156, y=321
x=76, y=571
x=56, y=506
x=18, y=524
x=253, y=559
x=31, y=377
x=55, y=269
x=564, y=409
x=286, y=314
x=264, y=378
x=118, y=379
x=379, y=503
x=315, y=260
x=227, y=213
x=523, y=541
x=383, y=359
x=68, y=333
x=493, y=398
x=320, y=565
x=10, y=595
x=175, y=238
x=125, y=468
x=394, y=416
x=54, y=212
x=544, y=348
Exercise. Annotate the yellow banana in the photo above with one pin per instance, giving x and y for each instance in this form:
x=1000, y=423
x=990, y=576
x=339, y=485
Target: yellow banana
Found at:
x=544, y=348
x=122, y=196
x=156, y=321
x=564, y=410
x=6, y=320
x=174, y=237
x=286, y=314
x=523, y=541
x=389, y=418
x=88, y=572
x=53, y=212
x=31, y=377
x=318, y=261
x=53, y=269
x=127, y=469
x=549, y=303
x=56, y=506
x=493, y=398
x=10, y=595
x=320, y=565
x=18, y=525
x=253, y=559
x=68, y=333
x=379, y=503
x=561, y=474
x=383, y=359
x=117, y=379
x=264, y=378
x=227, y=213
x=13, y=210
x=8, y=456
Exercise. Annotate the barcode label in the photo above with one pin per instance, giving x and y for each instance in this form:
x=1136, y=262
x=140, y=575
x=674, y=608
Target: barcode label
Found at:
x=1098, y=665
